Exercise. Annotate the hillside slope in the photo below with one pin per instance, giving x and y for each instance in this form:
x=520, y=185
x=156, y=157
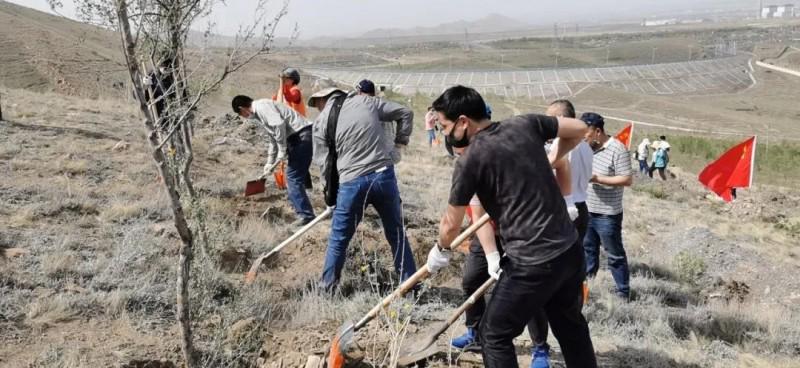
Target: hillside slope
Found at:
x=714, y=285
x=45, y=52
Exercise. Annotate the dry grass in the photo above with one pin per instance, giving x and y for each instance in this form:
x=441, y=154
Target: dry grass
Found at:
x=50, y=310
x=123, y=211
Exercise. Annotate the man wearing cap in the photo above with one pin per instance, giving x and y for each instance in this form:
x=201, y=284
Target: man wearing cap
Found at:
x=288, y=140
x=611, y=173
x=365, y=173
x=366, y=87
x=289, y=92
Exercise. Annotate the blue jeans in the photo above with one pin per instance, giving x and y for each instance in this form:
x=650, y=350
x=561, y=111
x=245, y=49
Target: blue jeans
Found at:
x=431, y=137
x=380, y=190
x=300, y=150
x=643, y=167
x=607, y=229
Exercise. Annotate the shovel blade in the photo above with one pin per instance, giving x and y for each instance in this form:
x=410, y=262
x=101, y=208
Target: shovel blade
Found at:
x=339, y=346
x=280, y=177
x=422, y=350
x=255, y=187
x=411, y=359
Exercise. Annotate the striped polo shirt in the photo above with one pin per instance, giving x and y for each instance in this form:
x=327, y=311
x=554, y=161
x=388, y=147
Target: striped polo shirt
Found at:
x=611, y=160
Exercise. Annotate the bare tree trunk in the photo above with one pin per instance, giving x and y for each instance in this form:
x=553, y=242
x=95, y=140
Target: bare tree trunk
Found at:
x=185, y=233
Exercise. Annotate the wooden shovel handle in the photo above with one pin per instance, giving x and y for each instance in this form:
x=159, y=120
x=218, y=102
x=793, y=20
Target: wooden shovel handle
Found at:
x=418, y=276
x=251, y=275
x=463, y=307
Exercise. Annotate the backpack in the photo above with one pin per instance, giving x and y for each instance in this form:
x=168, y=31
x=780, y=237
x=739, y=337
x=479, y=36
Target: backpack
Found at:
x=661, y=158
x=331, y=174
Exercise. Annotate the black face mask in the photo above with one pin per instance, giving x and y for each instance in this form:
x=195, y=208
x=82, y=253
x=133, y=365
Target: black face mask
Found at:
x=457, y=143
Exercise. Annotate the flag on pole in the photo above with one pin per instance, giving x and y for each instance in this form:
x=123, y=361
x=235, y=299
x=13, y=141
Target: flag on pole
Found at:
x=734, y=169
x=626, y=135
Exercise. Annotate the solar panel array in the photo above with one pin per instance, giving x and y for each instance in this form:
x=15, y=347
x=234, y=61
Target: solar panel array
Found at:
x=691, y=77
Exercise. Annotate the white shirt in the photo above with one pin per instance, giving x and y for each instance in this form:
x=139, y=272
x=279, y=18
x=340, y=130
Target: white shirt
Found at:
x=278, y=122
x=643, y=150
x=580, y=167
x=660, y=144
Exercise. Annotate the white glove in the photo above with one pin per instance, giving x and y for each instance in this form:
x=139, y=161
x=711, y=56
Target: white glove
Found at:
x=493, y=265
x=571, y=210
x=438, y=259
x=269, y=168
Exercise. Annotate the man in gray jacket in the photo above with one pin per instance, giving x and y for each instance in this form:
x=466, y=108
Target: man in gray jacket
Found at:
x=366, y=87
x=366, y=174
x=288, y=140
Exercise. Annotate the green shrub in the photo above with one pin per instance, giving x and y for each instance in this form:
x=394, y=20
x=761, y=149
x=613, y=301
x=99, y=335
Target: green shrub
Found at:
x=793, y=228
x=655, y=189
x=688, y=267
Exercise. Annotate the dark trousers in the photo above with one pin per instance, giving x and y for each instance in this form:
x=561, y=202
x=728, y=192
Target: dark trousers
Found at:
x=554, y=286
x=476, y=272
x=537, y=326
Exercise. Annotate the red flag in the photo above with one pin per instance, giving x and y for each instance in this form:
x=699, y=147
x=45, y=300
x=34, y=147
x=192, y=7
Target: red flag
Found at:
x=625, y=135
x=734, y=169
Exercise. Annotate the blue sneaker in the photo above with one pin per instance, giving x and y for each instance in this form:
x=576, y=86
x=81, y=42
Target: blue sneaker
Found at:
x=466, y=340
x=540, y=356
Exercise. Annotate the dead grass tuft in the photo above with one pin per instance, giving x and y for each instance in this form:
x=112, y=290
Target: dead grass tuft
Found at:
x=50, y=310
x=60, y=265
x=123, y=211
x=68, y=165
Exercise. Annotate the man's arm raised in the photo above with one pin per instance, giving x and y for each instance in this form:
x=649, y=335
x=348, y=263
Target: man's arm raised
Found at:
x=571, y=132
x=563, y=176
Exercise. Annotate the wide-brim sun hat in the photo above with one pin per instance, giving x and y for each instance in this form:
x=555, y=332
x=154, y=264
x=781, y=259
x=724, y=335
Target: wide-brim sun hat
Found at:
x=325, y=92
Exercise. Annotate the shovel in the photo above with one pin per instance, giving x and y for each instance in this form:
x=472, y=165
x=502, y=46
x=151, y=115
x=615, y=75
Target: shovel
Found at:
x=341, y=343
x=255, y=187
x=425, y=348
x=250, y=276
x=259, y=185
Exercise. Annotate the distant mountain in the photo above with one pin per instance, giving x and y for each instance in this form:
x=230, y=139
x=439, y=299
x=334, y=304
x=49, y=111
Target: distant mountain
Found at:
x=488, y=24
x=200, y=39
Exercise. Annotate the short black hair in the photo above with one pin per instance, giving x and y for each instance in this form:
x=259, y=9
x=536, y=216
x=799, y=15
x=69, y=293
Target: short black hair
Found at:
x=663, y=138
x=460, y=100
x=566, y=107
x=241, y=101
x=594, y=120
x=167, y=62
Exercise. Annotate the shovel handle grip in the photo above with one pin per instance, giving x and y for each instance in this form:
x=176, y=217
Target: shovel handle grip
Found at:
x=418, y=276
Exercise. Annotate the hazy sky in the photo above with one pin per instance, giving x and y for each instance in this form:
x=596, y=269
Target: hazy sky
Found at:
x=349, y=17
